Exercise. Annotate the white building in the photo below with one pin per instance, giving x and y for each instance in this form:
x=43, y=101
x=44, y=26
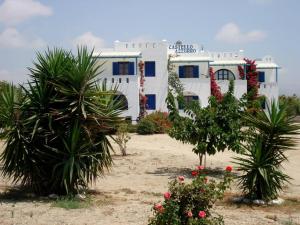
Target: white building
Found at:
x=192, y=65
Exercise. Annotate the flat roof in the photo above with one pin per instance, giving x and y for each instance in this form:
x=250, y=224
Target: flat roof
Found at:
x=227, y=62
x=266, y=65
x=191, y=59
x=117, y=54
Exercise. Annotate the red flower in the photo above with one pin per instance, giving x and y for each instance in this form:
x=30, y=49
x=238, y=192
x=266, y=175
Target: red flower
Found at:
x=194, y=173
x=189, y=214
x=215, y=89
x=167, y=195
x=228, y=168
x=181, y=178
x=202, y=214
x=200, y=167
x=158, y=207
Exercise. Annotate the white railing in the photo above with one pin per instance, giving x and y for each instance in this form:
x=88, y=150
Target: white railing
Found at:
x=226, y=55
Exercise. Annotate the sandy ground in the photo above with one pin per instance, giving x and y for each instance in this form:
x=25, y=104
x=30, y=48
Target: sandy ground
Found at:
x=125, y=196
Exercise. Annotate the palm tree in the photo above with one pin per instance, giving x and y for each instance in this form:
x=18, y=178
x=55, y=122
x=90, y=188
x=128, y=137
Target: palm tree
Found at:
x=58, y=140
x=271, y=133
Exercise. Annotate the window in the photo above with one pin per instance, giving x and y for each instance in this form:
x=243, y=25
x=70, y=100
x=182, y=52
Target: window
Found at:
x=122, y=101
x=188, y=99
x=224, y=75
x=188, y=71
x=149, y=69
x=261, y=76
x=120, y=80
x=123, y=68
x=151, y=102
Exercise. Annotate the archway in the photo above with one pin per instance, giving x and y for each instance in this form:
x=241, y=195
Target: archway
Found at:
x=224, y=74
x=122, y=100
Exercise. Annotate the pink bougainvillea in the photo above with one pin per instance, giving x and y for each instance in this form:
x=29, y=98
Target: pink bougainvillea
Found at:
x=215, y=89
x=252, y=81
x=143, y=98
x=241, y=72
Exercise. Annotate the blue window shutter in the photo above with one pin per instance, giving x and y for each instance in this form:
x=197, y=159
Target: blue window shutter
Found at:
x=115, y=68
x=196, y=71
x=181, y=72
x=151, y=102
x=261, y=76
x=150, y=69
x=131, y=68
x=195, y=97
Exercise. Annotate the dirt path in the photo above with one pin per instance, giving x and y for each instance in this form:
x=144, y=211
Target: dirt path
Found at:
x=125, y=196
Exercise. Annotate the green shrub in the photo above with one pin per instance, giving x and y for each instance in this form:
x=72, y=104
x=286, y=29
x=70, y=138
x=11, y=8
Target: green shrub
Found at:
x=56, y=136
x=292, y=104
x=145, y=126
x=132, y=128
x=271, y=133
x=191, y=203
x=161, y=121
x=71, y=202
x=122, y=137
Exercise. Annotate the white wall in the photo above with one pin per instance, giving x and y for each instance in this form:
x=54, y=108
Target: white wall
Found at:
x=270, y=74
x=270, y=91
x=129, y=85
x=240, y=87
x=158, y=85
x=199, y=86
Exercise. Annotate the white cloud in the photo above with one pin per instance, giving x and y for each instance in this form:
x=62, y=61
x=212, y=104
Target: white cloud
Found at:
x=12, y=38
x=13, y=12
x=90, y=40
x=231, y=33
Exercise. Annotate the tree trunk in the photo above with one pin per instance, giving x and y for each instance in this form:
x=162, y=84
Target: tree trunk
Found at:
x=200, y=159
x=123, y=150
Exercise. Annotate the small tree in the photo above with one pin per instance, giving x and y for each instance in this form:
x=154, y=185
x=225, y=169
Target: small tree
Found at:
x=122, y=137
x=210, y=129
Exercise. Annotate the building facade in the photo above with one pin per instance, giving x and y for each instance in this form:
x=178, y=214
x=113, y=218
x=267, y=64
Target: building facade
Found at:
x=120, y=67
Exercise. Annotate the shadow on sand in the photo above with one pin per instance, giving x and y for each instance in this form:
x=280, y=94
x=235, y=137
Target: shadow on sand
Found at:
x=174, y=172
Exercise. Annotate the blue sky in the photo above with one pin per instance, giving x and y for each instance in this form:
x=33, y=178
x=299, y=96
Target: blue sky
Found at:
x=260, y=27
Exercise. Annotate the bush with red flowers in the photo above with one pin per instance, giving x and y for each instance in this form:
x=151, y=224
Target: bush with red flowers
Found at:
x=160, y=120
x=191, y=203
x=215, y=89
